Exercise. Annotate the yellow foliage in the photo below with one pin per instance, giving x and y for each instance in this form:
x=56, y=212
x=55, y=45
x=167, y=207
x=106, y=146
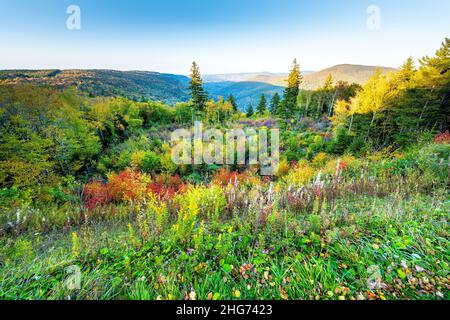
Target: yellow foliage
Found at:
x=341, y=112
x=283, y=168
x=76, y=248
x=301, y=175
x=160, y=213
x=343, y=163
x=320, y=159
x=187, y=218
x=210, y=200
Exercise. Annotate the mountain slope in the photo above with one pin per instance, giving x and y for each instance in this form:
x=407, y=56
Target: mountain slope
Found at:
x=276, y=79
x=169, y=88
x=312, y=80
x=156, y=86
x=243, y=77
x=344, y=72
x=133, y=84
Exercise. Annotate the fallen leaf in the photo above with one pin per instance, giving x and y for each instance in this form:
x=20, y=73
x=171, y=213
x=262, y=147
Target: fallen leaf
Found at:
x=283, y=294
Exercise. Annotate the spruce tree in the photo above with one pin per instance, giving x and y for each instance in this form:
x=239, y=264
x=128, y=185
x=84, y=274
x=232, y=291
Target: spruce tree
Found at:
x=262, y=106
x=275, y=103
x=198, y=94
x=250, y=110
x=291, y=92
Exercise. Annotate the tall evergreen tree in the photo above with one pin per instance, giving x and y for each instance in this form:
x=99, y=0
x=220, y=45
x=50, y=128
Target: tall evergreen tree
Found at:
x=291, y=92
x=250, y=110
x=233, y=102
x=262, y=106
x=275, y=103
x=198, y=94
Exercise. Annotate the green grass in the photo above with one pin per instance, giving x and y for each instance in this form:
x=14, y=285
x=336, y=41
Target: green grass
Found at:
x=399, y=245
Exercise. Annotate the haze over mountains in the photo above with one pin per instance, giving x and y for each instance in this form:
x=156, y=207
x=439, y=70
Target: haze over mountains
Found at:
x=245, y=87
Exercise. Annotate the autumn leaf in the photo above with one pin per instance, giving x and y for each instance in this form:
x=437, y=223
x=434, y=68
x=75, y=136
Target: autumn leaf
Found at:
x=283, y=294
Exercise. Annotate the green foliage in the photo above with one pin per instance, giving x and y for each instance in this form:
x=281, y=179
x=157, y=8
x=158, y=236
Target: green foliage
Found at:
x=43, y=133
x=232, y=101
x=262, y=106
x=275, y=103
x=341, y=142
x=150, y=162
x=250, y=111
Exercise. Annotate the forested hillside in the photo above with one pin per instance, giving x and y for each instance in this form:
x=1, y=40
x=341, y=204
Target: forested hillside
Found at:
x=130, y=84
x=247, y=88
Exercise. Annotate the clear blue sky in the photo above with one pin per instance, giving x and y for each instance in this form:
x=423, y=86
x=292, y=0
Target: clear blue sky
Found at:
x=221, y=35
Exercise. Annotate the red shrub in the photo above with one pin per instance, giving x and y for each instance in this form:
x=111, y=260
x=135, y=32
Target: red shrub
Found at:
x=163, y=186
x=442, y=138
x=96, y=194
x=343, y=165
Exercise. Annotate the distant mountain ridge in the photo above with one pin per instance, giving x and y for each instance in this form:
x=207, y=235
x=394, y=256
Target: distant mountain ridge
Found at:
x=171, y=88
x=240, y=77
x=311, y=80
x=277, y=79
x=344, y=72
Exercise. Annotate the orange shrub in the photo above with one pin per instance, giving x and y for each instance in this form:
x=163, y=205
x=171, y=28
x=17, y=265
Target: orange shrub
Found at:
x=127, y=185
x=442, y=138
x=224, y=177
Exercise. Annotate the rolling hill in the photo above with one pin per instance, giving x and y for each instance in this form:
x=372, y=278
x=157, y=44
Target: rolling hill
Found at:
x=312, y=80
x=156, y=86
x=132, y=84
x=345, y=72
x=243, y=77
x=170, y=88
